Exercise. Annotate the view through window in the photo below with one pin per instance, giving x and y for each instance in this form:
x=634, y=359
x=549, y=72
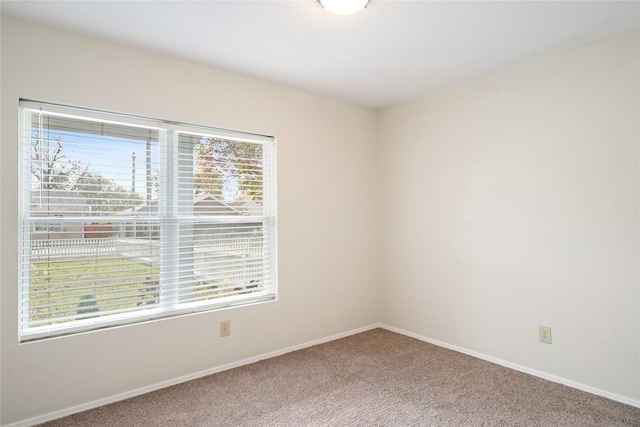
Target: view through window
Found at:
x=127, y=219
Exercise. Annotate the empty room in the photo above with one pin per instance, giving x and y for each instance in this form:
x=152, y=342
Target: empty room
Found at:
x=320, y=213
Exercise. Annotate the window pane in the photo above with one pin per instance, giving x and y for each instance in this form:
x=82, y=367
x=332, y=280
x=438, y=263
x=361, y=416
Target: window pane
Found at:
x=86, y=259
x=227, y=175
x=224, y=259
x=87, y=168
x=76, y=282
x=220, y=179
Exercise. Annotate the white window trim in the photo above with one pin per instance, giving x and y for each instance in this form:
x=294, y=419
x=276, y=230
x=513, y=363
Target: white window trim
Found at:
x=169, y=306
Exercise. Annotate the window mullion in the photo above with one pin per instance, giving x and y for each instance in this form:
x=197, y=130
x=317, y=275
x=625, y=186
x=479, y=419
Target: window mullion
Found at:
x=185, y=206
x=169, y=263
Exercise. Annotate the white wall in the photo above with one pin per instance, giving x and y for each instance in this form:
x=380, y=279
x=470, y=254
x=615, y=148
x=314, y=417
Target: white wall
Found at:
x=326, y=201
x=505, y=203
x=512, y=201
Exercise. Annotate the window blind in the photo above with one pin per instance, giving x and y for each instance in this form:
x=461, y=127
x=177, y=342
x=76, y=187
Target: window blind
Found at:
x=125, y=219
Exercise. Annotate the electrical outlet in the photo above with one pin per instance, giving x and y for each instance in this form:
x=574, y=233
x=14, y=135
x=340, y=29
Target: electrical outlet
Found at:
x=545, y=334
x=225, y=328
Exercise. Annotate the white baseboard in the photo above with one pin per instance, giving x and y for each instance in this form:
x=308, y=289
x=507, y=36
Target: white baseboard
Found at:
x=517, y=367
x=115, y=398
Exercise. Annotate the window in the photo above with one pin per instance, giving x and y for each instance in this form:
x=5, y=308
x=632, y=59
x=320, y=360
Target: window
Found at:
x=126, y=219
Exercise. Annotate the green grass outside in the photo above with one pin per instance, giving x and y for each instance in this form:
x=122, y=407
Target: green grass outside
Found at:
x=65, y=291
x=72, y=290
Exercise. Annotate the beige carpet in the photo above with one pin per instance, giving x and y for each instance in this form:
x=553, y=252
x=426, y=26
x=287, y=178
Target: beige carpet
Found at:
x=376, y=378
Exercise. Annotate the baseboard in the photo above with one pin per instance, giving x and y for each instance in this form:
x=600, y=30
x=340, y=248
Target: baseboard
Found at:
x=517, y=367
x=122, y=396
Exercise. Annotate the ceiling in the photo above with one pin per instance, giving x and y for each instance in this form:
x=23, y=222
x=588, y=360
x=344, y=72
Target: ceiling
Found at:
x=390, y=52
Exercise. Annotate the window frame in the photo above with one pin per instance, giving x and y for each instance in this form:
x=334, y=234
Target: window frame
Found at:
x=168, y=219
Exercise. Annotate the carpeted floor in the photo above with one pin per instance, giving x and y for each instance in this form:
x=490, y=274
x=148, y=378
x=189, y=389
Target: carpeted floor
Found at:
x=376, y=378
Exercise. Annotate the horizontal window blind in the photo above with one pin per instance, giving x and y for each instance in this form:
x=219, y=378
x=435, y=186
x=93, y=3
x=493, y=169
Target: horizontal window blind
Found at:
x=129, y=220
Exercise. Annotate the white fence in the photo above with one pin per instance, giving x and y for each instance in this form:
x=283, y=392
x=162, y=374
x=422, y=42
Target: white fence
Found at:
x=61, y=250
x=209, y=259
x=68, y=249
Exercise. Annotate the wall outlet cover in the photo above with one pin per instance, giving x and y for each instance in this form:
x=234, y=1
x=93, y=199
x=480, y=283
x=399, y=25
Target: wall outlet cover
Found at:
x=225, y=328
x=545, y=334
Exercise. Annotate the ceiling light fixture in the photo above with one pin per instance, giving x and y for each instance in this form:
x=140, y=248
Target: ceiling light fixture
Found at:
x=344, y=7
